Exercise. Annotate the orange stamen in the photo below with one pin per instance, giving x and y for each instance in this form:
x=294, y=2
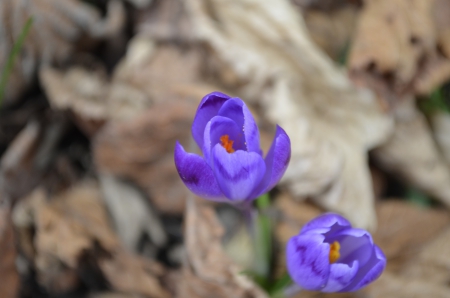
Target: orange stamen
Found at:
x=227, y=143
x=334, y=252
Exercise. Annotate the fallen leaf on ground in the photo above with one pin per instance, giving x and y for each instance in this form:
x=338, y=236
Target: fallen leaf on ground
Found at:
x=397, y=49
x=208, y=272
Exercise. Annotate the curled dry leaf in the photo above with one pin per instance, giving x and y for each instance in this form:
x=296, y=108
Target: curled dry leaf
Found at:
x=58, y=28
x=331, y=124
x=208, y=272
x=412, y=153
x=398, y=46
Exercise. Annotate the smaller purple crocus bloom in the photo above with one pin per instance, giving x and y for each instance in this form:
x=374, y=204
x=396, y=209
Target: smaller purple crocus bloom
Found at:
x=232, y=167
x=330, y=256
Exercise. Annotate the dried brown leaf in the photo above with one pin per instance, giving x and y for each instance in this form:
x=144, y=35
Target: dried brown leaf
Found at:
x=401, y=47
x=208, y=272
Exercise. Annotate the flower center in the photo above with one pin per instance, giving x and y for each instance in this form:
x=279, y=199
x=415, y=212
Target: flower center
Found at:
x=334, y=252
x=227, y=143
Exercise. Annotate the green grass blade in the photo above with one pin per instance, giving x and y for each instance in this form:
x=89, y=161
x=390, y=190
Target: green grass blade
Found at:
x=6, y=72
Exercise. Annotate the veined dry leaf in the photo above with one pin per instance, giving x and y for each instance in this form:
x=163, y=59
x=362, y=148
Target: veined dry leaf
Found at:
x=412, y=153
x=208, y=272
x=331, y=124
x=58, y=27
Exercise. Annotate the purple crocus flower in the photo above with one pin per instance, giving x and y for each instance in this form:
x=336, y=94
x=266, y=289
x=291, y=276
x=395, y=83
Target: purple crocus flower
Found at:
x=232, y=167
x=330, y=256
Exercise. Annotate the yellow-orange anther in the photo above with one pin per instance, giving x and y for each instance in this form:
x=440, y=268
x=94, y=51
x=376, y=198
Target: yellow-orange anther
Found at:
x=227, y=143
x=334, y=252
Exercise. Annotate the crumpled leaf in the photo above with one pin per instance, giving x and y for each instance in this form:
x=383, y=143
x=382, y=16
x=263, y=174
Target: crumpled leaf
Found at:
x=398, y=47
x=331, y=124
x=411, y=152
x=58, y=28
x=208, y=272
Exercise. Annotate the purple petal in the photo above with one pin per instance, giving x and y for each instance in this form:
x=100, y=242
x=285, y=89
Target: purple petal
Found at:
x=208, y=108
x=327, y=220
x=237, y=110
x=276, y=161
x=369, y=272
x=218, y=127
x=237, y=173
x=340, y=276
x=307, y=261
x=197, y=175
x=356, y=244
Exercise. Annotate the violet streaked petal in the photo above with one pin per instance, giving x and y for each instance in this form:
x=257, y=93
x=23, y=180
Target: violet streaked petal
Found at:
x=327, y=220
x=369, y=272
x=218, y=127
x=356, y=244
x=340, y=276
x=208, y=108
x=307, y=261
x=197, y=175
x=237, y=173
x=238, y=111
x=277, y=160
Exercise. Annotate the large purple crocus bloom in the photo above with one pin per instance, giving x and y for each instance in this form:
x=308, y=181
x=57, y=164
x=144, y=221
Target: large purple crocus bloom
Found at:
x=330, y=256
x=232, y=167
